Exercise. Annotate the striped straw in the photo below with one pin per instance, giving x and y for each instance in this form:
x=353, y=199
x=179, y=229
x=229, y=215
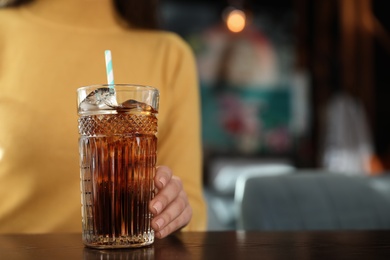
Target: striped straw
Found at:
x=109, y=71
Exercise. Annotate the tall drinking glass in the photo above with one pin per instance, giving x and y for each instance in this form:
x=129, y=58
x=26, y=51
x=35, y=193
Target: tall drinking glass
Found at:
x=117, y=146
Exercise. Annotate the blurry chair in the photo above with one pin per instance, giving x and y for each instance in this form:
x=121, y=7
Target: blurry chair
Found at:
x=225, y=181
x=220, y=194
x=312, y=200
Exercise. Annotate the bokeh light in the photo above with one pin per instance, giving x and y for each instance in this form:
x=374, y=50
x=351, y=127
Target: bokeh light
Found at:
x=236, y=20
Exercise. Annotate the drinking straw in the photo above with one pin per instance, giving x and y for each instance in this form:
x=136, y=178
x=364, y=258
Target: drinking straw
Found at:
x=109, y=71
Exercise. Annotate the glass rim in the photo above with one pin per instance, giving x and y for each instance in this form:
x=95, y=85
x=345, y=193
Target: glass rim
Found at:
x=127, y=86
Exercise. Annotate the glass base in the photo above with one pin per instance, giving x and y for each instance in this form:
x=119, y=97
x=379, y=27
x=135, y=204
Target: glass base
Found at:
x=106, y=242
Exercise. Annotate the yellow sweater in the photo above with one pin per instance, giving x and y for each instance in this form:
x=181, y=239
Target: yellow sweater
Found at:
x=48, y=49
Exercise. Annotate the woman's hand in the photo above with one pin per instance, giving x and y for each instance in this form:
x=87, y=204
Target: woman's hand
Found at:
x=170, y=206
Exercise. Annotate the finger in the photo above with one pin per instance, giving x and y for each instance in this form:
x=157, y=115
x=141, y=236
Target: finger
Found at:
x=181, y=221
x=163, y=176
x=166, y=195
x=171, y=212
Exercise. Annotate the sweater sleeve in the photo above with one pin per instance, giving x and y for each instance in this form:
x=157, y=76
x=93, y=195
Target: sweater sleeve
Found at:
x=180, y=139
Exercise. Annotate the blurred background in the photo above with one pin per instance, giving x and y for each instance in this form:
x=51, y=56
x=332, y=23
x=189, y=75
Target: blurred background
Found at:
x=287, y=85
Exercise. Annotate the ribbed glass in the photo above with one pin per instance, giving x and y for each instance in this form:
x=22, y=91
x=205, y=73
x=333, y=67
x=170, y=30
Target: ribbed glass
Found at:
x=117, y=162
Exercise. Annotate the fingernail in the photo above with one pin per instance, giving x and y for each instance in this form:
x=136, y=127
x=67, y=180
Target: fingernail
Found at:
x=162, y=181
x=160, y=223
x=157, y=206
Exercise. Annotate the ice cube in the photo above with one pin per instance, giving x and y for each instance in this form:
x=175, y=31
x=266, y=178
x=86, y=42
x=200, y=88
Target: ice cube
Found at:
x=102, y=98
x=132, y=104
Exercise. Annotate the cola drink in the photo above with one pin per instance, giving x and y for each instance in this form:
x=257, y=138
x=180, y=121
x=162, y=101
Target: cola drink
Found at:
x=117, y=147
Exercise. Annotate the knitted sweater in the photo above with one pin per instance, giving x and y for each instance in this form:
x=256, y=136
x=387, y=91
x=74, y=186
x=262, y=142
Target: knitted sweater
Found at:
x=48, y=49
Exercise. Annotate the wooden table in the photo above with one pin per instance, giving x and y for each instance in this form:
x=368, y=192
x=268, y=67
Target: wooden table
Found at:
x=209, y=245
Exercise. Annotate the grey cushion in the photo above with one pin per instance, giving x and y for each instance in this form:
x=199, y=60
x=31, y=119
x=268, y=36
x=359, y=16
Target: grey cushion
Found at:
x=313, y=201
